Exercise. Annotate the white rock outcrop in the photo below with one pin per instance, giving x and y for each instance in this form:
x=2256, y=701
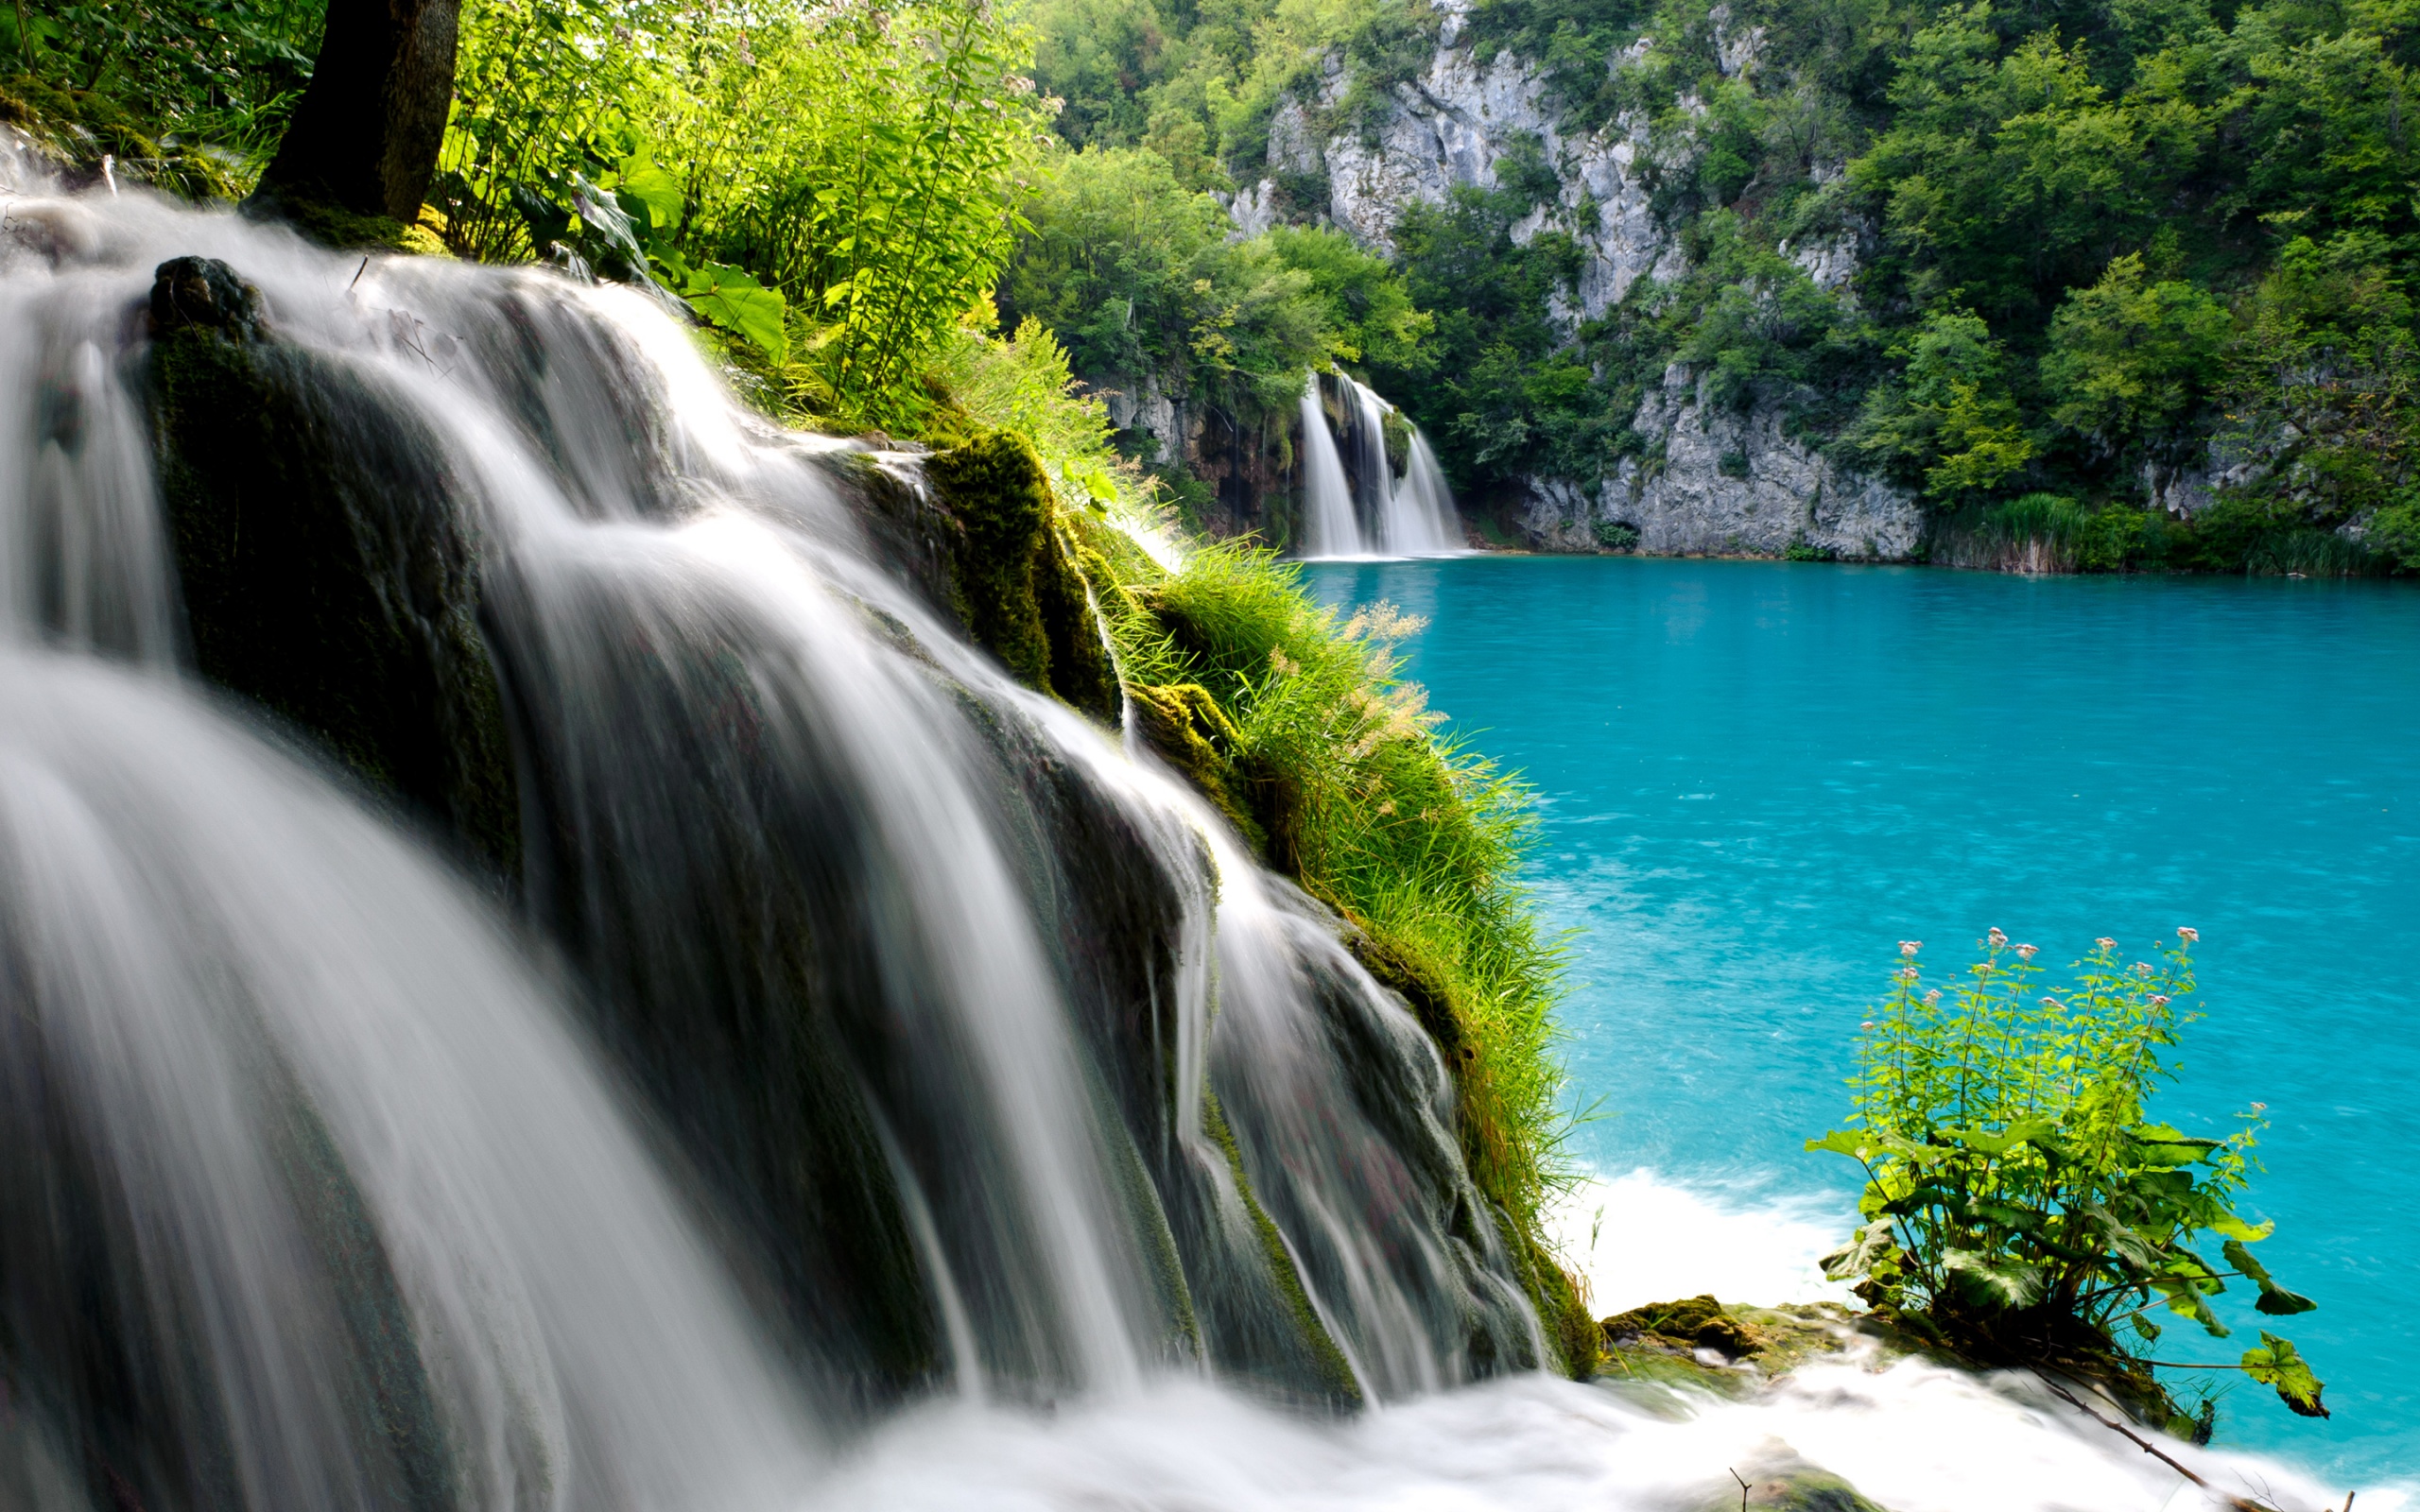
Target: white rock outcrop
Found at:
x=1724, y=481
x=1728, y=483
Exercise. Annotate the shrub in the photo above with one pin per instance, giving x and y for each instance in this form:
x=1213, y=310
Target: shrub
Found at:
x=2020, y=1205
x=1614, y=535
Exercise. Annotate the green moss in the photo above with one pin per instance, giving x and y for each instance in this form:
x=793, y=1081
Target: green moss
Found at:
x=1185, y=725
x=1014, y=581
x=346, y=230
x=1397, y=431
x=84, y=125
x=1695, y=1322
x=1333, y=1370
x=326, y=569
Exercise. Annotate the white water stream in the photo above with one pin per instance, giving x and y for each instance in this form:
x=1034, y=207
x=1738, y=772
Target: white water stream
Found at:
x=1369, y=514
x=325, y=1196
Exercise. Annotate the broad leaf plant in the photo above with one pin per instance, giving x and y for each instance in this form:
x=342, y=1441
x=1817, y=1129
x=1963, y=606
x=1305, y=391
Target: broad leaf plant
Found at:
x=2020, y=1201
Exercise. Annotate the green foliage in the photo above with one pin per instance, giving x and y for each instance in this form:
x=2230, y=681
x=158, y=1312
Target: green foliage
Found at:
x=1509, y=395
x=2324, y=384
x=836, y=185
x=1948, y=422
x=2131, y=359
x=1198, y=83
x=2020, y=1201
x=214, y=76
x=1137, y=275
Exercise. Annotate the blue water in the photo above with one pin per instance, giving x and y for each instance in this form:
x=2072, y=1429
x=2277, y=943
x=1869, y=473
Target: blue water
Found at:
x=1754, y=778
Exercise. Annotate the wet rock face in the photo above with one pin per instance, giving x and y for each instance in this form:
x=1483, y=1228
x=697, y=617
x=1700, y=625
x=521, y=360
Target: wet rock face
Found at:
x=1729, y=483
x=323, y=559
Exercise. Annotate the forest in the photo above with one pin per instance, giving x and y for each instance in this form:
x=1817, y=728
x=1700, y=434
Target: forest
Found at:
x=2098, y=245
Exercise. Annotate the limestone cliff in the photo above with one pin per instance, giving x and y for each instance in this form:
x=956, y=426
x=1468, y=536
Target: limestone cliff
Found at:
x=1711, y=478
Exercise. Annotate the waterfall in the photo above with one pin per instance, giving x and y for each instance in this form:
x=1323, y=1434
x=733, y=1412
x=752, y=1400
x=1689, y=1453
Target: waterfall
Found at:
x=1371, y=513
x=1331, y=520
x=862, y=1083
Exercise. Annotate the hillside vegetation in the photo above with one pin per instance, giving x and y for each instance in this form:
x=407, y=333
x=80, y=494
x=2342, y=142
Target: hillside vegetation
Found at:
x=2099, y=244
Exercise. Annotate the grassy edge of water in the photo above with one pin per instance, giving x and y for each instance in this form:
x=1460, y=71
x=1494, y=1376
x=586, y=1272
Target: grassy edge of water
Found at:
x=1290, y=718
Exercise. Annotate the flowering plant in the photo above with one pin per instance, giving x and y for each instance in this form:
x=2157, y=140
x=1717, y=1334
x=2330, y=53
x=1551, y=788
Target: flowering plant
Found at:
x=2019, y=1203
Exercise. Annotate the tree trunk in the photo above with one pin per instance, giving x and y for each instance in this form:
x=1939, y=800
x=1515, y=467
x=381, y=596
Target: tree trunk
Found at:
x=365, y=136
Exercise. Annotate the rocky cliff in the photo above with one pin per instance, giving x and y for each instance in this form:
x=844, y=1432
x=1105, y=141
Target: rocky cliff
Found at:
x=1712, y=479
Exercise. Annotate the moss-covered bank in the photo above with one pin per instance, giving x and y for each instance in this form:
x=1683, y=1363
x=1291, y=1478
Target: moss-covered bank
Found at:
x=1289, y=719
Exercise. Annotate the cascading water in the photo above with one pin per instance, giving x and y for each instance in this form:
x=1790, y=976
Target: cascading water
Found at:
x=1331, y=522
x=972, y=1068
x=1371, y=512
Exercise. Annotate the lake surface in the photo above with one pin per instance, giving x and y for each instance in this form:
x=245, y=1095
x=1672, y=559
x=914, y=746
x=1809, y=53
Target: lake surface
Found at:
x=1755, y=777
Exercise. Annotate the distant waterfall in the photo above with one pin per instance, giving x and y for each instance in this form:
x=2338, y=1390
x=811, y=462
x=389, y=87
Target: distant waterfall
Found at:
x=1371, y=512
x=1330, y=523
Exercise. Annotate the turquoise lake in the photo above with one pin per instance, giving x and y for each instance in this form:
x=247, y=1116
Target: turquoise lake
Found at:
x=1754, y=778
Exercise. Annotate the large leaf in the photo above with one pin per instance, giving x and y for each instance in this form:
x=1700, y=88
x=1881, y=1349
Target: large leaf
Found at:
x=2274, y=1299
x=2010, y=1283
x=2021, y=1133
x=1867, y=1247
x=654, y=187
x=732, y=298
x=2278, y=1363
x=2160, y=1145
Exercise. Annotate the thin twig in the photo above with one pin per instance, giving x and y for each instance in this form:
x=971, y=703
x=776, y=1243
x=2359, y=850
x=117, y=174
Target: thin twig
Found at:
x=1743, y=1491
x=2140, y=1442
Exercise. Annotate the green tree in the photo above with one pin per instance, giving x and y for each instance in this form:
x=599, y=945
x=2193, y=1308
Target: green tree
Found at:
x=1947, y=423
x=1511, y=395
x=2132, y=357
x=2324, y=385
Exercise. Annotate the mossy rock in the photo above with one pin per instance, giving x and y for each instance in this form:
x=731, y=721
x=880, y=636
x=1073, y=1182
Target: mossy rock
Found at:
x=1693, y=1322
x=1397, y=429
x=1185, y=725
x=345, y=231
x=1789, y=1486
x=1014, y=579
x=81, y=127
x=327, y=562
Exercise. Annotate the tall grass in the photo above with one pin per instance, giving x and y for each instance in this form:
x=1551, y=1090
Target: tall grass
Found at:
x=2037, y=533
x=2308, y=553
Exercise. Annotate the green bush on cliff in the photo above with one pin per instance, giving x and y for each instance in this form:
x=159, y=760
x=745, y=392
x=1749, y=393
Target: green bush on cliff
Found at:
x=2021, y=1205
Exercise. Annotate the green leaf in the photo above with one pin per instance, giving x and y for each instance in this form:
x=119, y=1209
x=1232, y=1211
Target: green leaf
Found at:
x=2278, y=1363
x=2006, y=1140
x=2149, y=1330
x=731, y=298
x=2274, y=1299
x=2010, y=1283
x=1866, y=1248
x=655, y=187
x=2159, y=1144
x=2234, y=1227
